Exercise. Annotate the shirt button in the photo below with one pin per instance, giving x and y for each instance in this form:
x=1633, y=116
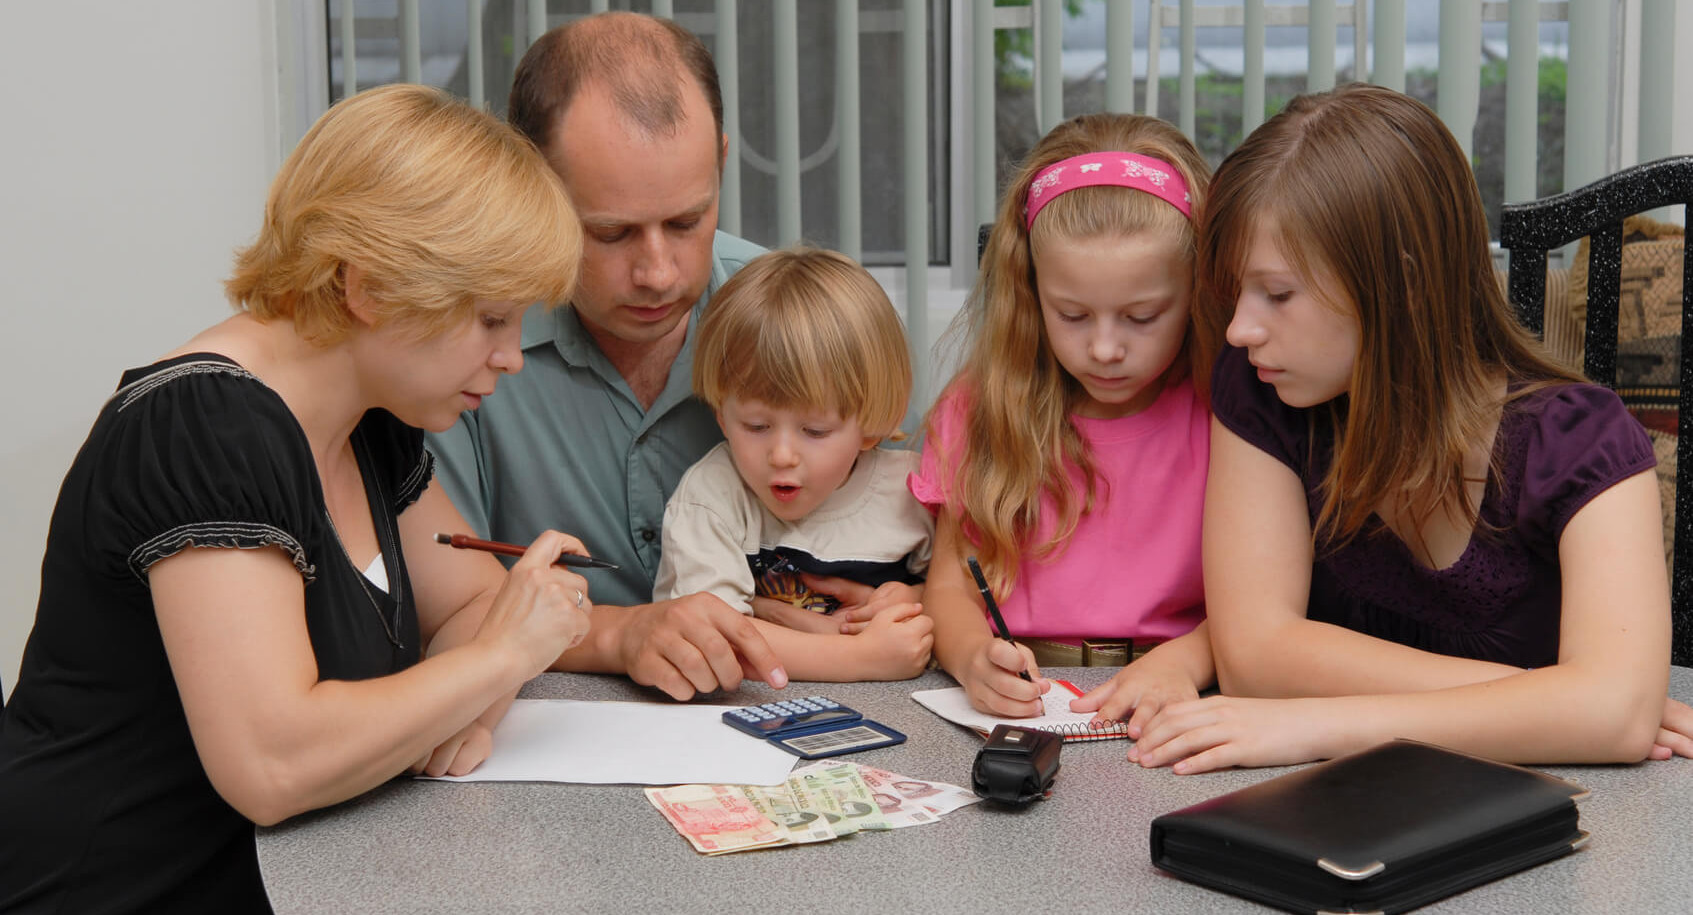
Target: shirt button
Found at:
x=648, y=535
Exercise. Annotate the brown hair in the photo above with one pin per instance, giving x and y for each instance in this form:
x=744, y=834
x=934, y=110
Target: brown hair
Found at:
x=439, y=204
x=1019, y=443
x=1375, y=206
x=805, y=328
x=641, y=60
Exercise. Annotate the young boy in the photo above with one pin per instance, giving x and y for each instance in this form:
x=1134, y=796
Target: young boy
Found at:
x=804, y=361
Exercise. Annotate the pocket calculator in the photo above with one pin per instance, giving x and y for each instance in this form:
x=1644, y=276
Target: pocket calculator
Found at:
x=776, y=719
x=813, y=727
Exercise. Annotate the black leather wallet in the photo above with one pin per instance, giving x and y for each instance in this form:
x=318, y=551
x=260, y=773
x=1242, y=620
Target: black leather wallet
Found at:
x=1385, y=830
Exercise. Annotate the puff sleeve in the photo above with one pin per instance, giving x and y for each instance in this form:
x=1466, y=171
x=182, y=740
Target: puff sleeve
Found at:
x=201, y=455
x=1581, y=442
x=1250, y=409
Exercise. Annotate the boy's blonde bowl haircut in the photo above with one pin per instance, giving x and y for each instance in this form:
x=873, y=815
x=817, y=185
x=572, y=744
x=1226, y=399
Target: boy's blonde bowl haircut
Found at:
x=807, y=329
x=439, y=204
x=1019, y=443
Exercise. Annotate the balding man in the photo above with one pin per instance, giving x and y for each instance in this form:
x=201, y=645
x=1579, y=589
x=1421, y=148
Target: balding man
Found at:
x=592, y=437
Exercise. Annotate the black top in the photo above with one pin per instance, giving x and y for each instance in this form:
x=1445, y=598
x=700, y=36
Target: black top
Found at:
x=1556, y=449
x=105, y=805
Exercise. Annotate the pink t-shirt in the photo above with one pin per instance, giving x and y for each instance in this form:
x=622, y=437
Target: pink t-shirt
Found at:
x=1131, y=569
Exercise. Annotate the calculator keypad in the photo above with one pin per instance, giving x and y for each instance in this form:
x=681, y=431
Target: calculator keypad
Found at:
x=782, y=716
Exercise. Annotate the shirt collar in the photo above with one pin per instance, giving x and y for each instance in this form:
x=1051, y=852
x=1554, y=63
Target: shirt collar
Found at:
x=562, y=328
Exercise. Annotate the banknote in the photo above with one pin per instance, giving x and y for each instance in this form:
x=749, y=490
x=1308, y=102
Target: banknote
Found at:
x=819, y=802
x=938, y=798
x=811, y=796
x=717, y=819
x=841, y=782
x=778, y=803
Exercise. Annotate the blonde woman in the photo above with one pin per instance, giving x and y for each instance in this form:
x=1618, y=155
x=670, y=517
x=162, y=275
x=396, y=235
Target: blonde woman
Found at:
x=229, y=630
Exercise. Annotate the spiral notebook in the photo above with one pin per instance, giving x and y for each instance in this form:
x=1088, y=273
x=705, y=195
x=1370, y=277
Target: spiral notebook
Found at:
x=954, y=705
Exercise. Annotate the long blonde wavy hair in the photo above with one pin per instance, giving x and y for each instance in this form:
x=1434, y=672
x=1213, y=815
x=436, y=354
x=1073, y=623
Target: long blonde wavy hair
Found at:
x=1019, y=443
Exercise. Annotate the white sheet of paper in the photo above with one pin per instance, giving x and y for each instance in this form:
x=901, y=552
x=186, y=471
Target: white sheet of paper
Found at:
x=626, y=743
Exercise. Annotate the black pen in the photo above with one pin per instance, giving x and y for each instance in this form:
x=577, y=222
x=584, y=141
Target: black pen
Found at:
x=465, y=542
x=993, y=608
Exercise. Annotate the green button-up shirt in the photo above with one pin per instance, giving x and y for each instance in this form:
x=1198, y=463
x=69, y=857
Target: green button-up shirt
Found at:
x=564, y=444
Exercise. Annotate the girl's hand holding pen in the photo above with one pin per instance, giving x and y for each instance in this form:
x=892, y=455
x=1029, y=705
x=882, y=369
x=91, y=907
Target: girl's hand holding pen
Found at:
x=988, y=677
x=541, y=611
x=995, y=680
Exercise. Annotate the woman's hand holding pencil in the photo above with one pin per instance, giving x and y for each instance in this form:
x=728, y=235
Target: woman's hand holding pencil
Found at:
x=574, y=560
x=541, y=610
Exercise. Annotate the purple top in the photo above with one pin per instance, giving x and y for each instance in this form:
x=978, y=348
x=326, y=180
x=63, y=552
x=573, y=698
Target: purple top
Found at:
x=1558, y=448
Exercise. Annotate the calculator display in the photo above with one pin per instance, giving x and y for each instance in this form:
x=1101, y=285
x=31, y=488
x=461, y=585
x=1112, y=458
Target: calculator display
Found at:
x=812, y=727
x=844, y=740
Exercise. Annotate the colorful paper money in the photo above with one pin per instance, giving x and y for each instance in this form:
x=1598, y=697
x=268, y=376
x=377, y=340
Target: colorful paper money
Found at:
x=717, y=819
x=823, y=801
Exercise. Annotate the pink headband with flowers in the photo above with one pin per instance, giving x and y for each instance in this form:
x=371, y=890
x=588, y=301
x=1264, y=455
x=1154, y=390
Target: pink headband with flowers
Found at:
x=1116, y=169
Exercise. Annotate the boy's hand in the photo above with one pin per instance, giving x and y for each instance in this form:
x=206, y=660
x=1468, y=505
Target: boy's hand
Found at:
x=860, y=603
x=895, y=645
x=1145, y=687
x=783, y=613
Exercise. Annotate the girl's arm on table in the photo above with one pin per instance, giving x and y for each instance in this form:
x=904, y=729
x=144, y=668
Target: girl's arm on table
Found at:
x=273, y=738
x=984, y=664
x=1258, y=556
x=1602, y=702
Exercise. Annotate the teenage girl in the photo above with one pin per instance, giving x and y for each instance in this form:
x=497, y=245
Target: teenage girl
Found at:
x=1068, y=455
x=1414, y=517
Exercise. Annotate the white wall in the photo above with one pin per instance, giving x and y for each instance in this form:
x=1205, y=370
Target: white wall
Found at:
x=139, y=141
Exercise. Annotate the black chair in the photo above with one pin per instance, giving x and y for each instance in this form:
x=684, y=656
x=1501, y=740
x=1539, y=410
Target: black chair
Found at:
x=1529, y=230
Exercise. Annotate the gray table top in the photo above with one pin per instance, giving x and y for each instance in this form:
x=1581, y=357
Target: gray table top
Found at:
x=422, y=846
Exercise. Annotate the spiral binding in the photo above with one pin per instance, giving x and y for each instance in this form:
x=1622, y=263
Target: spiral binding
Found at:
x=1081, y=732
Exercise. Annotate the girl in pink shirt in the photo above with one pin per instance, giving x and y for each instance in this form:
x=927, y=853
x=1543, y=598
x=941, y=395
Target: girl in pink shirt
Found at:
x=1069, y=454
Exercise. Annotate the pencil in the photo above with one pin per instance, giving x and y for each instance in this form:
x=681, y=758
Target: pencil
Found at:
x=993, y=608
x=467, y=542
